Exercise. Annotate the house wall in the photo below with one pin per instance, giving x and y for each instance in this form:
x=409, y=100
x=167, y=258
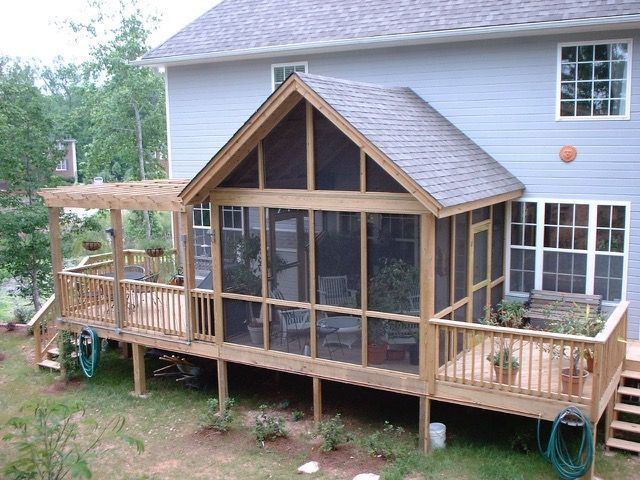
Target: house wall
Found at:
x=501, y=93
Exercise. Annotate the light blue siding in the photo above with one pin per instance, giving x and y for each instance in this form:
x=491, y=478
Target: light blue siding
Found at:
x=501, y=93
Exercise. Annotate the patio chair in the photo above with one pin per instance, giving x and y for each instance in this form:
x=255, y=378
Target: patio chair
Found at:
x=293, y=324
x=138, y=293
x=334, y=291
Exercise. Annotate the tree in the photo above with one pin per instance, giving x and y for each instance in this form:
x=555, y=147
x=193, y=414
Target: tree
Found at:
x=27, y=161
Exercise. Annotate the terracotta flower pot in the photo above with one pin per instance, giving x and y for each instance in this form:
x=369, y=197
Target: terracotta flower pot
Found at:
x=376, y=354
x=590, y=364
x=502, y=375
x=571, y=383
x=155, y=252
x=91, y=246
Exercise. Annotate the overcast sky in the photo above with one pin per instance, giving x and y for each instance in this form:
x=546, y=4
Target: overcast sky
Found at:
x=28, y=27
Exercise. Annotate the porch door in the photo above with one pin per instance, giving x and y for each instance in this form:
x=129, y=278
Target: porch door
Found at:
x=480, y=273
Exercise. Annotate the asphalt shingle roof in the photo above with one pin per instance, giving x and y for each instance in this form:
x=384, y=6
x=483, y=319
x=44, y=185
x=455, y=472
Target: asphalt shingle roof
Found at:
x=235, y=25
x=425, y=145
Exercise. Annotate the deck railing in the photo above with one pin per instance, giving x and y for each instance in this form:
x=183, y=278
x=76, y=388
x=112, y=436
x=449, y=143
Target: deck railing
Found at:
x=463, y=353
x=87, y=297
x=202, y=311
x=44, y=328
x=154, y=308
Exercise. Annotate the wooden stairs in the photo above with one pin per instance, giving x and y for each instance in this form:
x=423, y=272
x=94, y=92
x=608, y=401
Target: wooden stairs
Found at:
x=51, y=362
x=624, y=431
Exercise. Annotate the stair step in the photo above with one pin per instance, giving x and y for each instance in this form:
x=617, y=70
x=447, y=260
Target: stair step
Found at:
x=623, y=444
x=630, y=391
x=625, y=426
x=50, y=364
x=54, y=352
x=632, y=374
x=624, y=407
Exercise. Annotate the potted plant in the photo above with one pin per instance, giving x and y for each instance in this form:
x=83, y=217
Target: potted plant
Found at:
x=504, y=314
x=177, y=278
x=91, y=240
x=505, y=365
x=255, y=328
x=377, y=341
x=154, y=247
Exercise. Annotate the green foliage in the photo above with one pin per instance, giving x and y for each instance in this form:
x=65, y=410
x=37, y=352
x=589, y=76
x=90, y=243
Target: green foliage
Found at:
x=297, y=415
x=47, y=445
x=502, y=358
x=154, y=243
x=505, y=314
x=135, y=232
x=68, y=361
x=385, y=442
x=217, y=420
x=393, y=286
x=268, y=427
x=333, y=433
x=23, y=314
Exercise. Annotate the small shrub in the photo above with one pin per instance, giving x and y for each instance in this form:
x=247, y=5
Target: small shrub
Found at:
x=68, y=355
x=268, y=427
x=385, y=442
x=297, y=415
x=333, y=433
x=220, y=421
x=23, y=314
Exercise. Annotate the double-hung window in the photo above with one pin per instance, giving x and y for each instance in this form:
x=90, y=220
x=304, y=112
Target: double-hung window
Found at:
x=280, y=72
x=594, y=80
x=576, y=247
x=62, y=165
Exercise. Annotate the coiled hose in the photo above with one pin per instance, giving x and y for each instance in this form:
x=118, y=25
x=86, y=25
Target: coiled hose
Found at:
x=89, y=351
x=568, y=466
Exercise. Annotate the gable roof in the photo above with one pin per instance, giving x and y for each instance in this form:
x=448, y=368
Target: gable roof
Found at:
x=242, y=27
x=431, y=157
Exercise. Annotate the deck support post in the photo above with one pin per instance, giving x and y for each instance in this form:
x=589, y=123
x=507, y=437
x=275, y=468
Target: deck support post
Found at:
x=317, y=400
x=591, y=474
x=188, y=268
x=425, y=419
x=56, y=260
x=139, y=380
x=223, y=383
x=117, y=247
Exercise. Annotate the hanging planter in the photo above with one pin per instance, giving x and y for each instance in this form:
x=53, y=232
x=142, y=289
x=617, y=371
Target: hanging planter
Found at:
x=154, y=252
x=154, y=248
x=91, y=246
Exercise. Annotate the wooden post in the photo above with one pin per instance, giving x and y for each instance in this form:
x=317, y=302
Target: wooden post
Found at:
x=223, y=383
x=125, y=349
x=139, y=381
x=117, y=246
x=216, y=266
x=591, y=474
x=425, y=419
x=317, y=400
x=56, y=256
x=177, y=228
x=427, y=358
x=188, y=267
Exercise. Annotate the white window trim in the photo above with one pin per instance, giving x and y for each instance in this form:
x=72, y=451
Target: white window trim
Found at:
x=233, y=209
x=62, y=165
x=591, y=243
x=286, y=64
x=627, y=115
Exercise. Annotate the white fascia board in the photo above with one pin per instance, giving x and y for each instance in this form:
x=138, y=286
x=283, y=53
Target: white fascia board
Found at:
x=420, y=38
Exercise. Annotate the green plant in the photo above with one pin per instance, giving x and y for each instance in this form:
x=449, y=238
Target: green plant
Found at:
x=268, y=427
x=377, y=331
x=47, y=446
x=297, y=415
x=502, y=358
x=23, y=314
x=154, y=243
x=333, y=433
x=505, y=314
x=385, y=442
x=243, y=270
x=68, y=355
x=392, y=288
x=218, y=420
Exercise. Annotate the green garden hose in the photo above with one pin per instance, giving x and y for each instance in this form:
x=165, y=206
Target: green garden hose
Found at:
x=89, y=351
x=568, y=466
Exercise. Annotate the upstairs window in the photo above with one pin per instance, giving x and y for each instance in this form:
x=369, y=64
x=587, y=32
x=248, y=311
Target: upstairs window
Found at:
x=62, y=165
x=594, y=80
x=281, y=71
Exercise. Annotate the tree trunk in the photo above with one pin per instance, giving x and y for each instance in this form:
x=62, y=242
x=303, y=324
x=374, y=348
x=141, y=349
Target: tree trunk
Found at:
x=143, y=175
x=35, y=291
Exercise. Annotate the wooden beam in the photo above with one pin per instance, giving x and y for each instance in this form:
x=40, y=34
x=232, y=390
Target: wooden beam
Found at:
x=427, y=290
x=188, y=268
x=117, y=247
x=483, y=202
x=139, y=380
x=223, y=384
x=311, y=161
x=423, y=426
x=317, y=400
x=56, y=258
x=216, y=266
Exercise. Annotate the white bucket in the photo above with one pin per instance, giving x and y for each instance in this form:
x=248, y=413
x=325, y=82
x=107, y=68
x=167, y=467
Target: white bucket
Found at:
x=437, y=435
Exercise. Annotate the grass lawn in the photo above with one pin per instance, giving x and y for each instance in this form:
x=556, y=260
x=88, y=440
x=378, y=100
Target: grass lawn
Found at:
x=480, y=445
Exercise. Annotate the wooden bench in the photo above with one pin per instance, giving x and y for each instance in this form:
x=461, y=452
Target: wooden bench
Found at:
x=545, y=305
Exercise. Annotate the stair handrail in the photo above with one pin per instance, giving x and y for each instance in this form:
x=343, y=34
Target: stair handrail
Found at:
x=46, y=311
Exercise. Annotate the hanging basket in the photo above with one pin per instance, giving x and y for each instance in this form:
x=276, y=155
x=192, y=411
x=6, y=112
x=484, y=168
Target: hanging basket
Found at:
x=155, y=252
x=91, y=246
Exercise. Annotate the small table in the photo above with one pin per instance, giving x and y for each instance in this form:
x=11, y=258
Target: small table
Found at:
x=343, y=330
x=127, y=275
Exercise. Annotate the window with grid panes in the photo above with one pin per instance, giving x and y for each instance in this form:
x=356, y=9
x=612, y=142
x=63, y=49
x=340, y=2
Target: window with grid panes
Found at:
x=202, y=235
x=281, y=72
x=594, y=79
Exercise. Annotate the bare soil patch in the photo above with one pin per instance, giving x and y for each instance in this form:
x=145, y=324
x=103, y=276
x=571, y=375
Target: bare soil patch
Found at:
x=62, y=385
